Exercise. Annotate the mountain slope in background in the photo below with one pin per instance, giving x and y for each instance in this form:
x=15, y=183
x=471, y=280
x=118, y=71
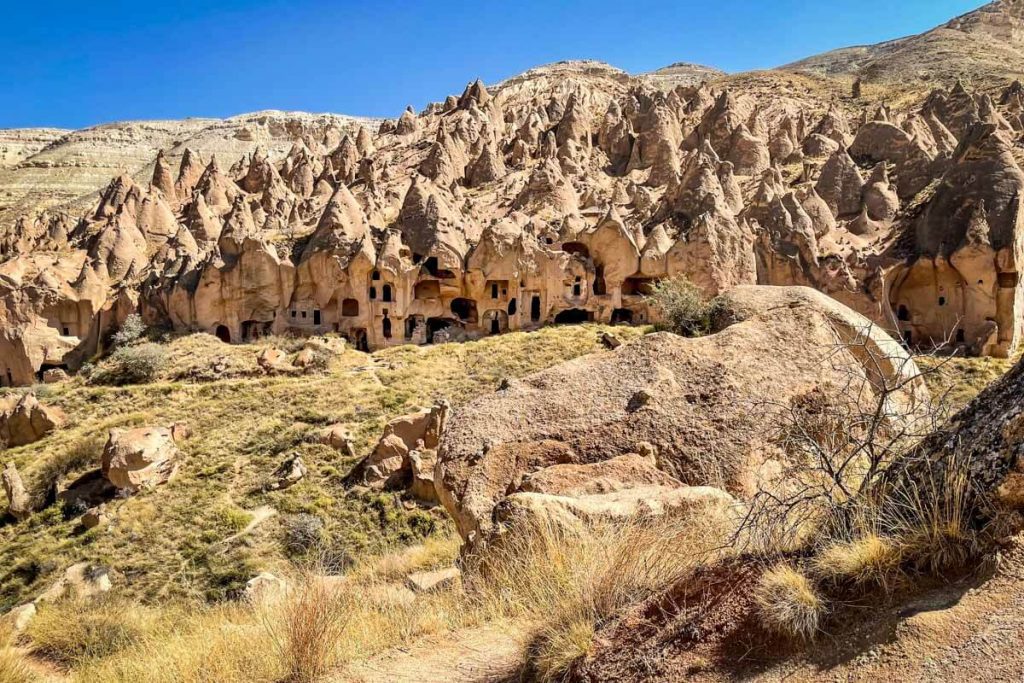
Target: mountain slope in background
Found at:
x=984, y=47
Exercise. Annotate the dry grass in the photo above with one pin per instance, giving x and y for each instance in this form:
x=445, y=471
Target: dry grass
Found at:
x=306, y=627
x=13, y=667
x=568, y=581
x=870, y=560
x=789, y=602
x=74, y=631
x=171, y=541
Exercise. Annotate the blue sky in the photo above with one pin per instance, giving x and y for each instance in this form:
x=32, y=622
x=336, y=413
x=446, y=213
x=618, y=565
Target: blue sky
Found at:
x=73, y=64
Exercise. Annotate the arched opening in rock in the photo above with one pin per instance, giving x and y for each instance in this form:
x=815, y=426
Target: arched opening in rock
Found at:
x=223, y=333
x=255, y=329
x=535, y=308
x=359, y=340
x=50, y=366
x=411, y=323
x=903, y=313
x=600, y=289
x=622, y=316
x=385, y=327
x=573, y=316
x=512, y=307
x=576, y=249
x=638, y=286
x=436, y=325
x=350, y=308
x=497, y=321
x=375, y=275
x=373, y=293
x=464, y=309
x=385, y=294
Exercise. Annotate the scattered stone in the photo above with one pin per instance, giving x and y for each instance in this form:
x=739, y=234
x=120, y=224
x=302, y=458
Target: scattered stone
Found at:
x=610, y=341
x=433, y=581
x=264, y=588
x=95, y=516
x=290, y=472
x=338, y=437
x=81, y=580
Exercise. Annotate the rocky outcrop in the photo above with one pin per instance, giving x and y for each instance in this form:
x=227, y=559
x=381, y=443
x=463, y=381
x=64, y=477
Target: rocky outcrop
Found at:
x=406, y=453
x=27, y=421
x=560, y=195
x=563, y=441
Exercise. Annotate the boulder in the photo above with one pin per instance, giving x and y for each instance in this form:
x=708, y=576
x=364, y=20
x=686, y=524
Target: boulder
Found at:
x=290, y=472
x=19, y=505
x=21, y=616
x=139, y=458
x=264, y=588
x=422, y=465
x=54, y=376
x=28, y=421
x=80, y=580
x=540, y=510
x=610, y=341
x=338, y=437
x=95, y=516
x=274, y=361
x=389, y=463
x=706, y=405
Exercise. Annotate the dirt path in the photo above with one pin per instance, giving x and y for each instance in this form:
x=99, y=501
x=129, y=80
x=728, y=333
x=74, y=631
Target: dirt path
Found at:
x=480, y=655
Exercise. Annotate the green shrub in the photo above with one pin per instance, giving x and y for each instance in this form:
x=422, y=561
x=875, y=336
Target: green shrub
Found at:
x=136, y=364
x=684, y=308
x=131, y=331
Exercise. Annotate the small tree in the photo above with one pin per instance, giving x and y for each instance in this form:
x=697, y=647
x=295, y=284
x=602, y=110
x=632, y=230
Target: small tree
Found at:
x=684, y=307
x=131, y=331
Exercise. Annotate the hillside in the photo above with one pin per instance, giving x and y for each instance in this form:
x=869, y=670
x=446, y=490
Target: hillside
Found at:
x=983, y=48
x=51, y=169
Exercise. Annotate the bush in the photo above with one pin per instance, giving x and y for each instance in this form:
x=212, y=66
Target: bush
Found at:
x=131, y=365
x=302, y=533
x=131, y=331
x=684, y=308
x=307, y=628
x=789, y=602
x=75, y=631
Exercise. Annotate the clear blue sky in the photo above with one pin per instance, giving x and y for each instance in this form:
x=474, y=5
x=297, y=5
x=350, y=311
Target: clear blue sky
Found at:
x=73, y=64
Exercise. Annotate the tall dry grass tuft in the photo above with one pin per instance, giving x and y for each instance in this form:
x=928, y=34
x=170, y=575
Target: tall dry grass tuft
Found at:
x=789, y=602
x=13, y=667
x=567, y=580
x=306, y=626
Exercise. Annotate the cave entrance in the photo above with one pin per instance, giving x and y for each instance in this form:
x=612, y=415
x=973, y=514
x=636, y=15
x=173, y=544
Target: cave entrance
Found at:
x=573, y=316
x=223, y=333
x=535, y=308
x=464, y=309
x=359, y=341
x=622, y=316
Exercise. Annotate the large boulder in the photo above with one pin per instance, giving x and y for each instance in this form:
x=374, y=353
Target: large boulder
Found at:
x=559, y=438
x=139, y=458
x=28, y=421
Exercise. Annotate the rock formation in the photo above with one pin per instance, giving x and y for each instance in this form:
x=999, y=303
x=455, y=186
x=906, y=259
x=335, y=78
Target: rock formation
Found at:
x=561, y=195
x=655, y=423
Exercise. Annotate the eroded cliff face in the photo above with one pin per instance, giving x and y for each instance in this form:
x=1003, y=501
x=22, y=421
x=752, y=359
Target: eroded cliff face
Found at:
x=560, y=195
